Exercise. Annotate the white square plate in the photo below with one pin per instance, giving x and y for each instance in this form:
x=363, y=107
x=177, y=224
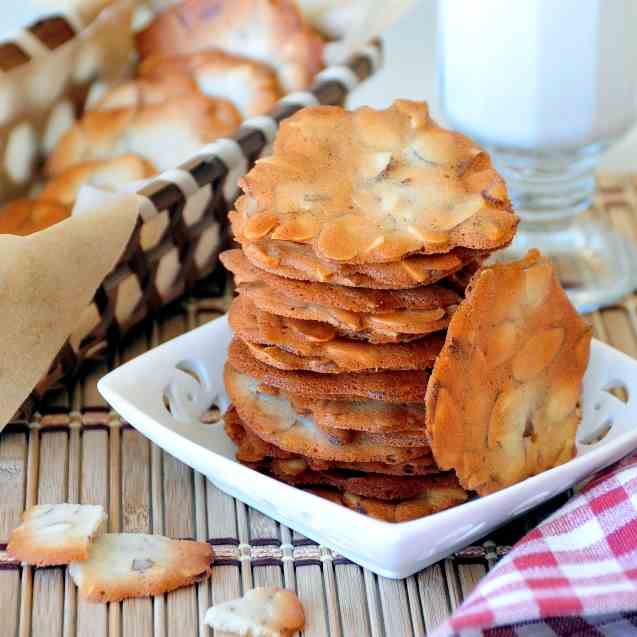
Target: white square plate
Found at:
x=187, y=374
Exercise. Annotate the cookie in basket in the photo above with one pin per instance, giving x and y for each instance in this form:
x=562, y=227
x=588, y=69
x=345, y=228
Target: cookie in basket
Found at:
x=273, y=419
x=53, y=534
x=123, y=565
x=296, y=344
x=252, y=86
x=261, y=612
x=26, y=216
x=252, y=449
x=274, y=33
x=388, y=386
x=297, y=261
x=101, y=173
x=374, y=186
x=441, y=492
x=503, y=400
x=164, y=134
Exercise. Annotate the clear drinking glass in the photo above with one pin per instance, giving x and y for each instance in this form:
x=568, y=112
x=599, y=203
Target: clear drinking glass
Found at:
x=546, y=86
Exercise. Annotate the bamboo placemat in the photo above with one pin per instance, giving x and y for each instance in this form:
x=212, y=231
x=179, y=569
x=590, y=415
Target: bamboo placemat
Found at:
x=77, y=450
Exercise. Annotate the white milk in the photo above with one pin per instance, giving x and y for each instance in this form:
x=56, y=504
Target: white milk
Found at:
x=538, y=74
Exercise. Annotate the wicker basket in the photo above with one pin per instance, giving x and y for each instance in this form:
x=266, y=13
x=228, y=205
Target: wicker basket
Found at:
x=46, y=73
x=183, y=226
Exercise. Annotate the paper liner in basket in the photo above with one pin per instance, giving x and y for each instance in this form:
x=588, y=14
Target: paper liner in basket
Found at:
x=48, y=279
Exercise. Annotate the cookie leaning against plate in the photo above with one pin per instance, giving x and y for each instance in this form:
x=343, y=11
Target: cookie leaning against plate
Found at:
x=503, y=400
x=374, y=186
x=294, y=344
x=388, y=386
x=274, y=420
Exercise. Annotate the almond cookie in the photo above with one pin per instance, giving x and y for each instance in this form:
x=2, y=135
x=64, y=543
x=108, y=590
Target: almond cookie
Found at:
x=251, y=86
x=123, y=565
x=100, y=173
x=388, y=386
x=296, y=344
x=297, y=261
x=274, y=420
x=398, y=326
x=503, y=401
x=377, y=316
x=442, y=492
x=272, y=32
x=26, y=216
x=372, y=186
x=261, y=612
x=251, y=449
x=53, y=534
x=165, y=134
x=373, y=485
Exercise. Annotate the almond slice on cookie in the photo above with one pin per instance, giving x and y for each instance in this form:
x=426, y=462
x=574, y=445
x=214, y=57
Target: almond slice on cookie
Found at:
x=53, y=534
x=123, y=565
x=261, y=612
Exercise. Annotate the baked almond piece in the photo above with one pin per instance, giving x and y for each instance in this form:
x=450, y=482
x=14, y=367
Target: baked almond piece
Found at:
x=372, y=186
x=26, y=216
x=270, y=31
x=123, y=565
x=101, y=173
x=502, y=403
x=52, y=534
x=261, y=612
x=252, y=86
x=164, y=133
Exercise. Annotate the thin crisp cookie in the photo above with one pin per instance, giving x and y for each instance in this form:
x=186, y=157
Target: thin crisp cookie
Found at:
x=123, y=565
x=53, y=534
x=503, y=400
x=373, y=186
x=261, y=612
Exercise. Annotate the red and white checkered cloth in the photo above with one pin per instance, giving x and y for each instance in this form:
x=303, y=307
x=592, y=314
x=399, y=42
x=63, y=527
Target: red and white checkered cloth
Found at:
x=575, y=574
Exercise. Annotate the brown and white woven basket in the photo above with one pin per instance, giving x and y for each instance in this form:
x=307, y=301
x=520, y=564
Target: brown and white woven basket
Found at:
x=183, y=225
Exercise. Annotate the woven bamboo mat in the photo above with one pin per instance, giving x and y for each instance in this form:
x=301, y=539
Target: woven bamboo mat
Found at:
x=77, y=450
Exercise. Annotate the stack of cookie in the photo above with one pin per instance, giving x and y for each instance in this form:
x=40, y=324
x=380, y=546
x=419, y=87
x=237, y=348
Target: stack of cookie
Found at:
x=358, y=237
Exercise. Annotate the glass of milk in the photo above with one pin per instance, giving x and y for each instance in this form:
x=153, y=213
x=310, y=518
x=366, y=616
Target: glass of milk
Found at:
x=546, y=86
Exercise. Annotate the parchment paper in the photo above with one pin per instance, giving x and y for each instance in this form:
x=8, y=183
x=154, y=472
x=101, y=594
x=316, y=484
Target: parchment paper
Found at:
x=47, y=279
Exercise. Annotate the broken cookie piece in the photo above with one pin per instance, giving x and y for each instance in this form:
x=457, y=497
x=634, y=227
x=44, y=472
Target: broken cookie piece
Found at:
x=261, y=612
x=53, y=534
x=123, y=565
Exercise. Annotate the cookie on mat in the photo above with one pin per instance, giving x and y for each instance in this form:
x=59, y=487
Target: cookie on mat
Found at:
x=388, y=386
x=373, y=186
x=123, y=565
x=261, y=612
x=441, y=492
x=503, y=400
x=52, y=534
